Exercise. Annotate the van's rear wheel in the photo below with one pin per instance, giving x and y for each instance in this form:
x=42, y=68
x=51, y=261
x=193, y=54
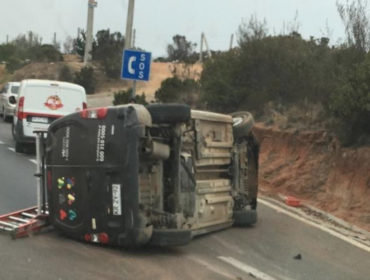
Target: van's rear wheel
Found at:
x=169, y=113
x=19, y=147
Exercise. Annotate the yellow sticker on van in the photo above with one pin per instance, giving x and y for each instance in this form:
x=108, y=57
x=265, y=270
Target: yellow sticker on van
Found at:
x=54, y=102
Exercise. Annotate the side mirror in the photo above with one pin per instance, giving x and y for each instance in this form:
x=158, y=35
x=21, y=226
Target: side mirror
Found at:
x=12, y=100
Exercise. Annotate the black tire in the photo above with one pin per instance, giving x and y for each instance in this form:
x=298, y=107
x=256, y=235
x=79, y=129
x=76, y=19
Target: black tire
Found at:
x=170, y=237
x=6, y=118
x=169, y=113
x=19, y=147
x=243, y=124
x=245, y=218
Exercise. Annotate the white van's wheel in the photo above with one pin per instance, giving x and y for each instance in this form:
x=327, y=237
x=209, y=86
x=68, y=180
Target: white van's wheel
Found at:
x=19, y=147
x=5, y=117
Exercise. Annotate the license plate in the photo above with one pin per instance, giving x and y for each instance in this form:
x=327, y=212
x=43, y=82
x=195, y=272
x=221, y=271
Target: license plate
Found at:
x=40, y=119
x=116, y=198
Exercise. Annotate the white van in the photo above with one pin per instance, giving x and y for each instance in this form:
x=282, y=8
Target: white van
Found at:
x=39, y=103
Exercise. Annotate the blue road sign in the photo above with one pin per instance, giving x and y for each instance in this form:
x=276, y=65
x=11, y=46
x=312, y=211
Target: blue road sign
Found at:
x=136, y=65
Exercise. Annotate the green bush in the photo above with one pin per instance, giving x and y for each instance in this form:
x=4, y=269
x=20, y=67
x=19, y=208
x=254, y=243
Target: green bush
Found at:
x=174, y=90
x=86, y=79
x=13, y=64
x=124, y=97
x=350, y=104
x=65, y=74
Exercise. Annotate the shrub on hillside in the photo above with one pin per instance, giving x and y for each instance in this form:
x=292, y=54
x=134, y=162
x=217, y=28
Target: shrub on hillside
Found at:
x=86, y=79
x=65, y=74
x=124, y=97
x=13, y=64
x=351, y=104
x=175, y=90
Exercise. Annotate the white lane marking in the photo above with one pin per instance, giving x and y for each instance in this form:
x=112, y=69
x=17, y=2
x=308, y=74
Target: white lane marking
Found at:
x=1, y=142
x=33, y=160
x=246, y=268
x=11, y=149
x=212, y=267
x=319, y=226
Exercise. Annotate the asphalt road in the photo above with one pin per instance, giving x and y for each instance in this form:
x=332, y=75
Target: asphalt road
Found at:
x=265, y=251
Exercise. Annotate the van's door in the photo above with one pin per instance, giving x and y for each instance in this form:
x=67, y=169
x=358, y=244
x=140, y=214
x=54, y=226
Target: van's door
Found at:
x=45, y=103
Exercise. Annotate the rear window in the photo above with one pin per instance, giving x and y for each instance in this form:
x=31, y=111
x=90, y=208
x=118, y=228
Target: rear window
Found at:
x=14, y=89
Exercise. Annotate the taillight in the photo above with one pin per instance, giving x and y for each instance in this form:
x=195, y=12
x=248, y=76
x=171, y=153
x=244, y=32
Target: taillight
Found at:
x=84, y=106
x=20, y=113
x=102, y=238
x=97, y=113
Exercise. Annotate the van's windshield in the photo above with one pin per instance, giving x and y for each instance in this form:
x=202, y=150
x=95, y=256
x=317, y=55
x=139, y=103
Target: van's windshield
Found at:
x=14, y=89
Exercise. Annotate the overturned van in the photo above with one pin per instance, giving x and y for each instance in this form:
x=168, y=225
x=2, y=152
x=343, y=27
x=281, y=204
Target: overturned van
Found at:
x=132, y=175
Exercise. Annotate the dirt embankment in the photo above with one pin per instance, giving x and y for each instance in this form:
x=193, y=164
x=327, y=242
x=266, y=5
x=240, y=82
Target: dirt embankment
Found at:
x=314, y=167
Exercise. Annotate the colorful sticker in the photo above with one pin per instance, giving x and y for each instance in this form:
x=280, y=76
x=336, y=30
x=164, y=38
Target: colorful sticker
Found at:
x=61, y=182
x=54, y=102
x=62, y=199
x=63, y=214
x=70, y=183
x=71, y=199
x=72, y=215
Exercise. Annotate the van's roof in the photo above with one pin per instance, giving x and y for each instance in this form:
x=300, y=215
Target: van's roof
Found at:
x=48, y=82
x=14, y=83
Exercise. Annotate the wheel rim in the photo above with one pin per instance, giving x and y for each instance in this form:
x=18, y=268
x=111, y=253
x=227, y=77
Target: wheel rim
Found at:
x=237, y=120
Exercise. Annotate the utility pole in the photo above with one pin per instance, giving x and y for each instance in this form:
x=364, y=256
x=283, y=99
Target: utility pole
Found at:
x=204, y=39
x=201, y=48
x=133, y=38
x=55, y=40
x=206, y=43
x=129, y=24
x=89, y=31
x=128, y=36
x=231, y=41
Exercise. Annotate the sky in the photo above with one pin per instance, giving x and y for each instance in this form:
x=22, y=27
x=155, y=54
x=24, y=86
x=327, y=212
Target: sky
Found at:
x=157, y=21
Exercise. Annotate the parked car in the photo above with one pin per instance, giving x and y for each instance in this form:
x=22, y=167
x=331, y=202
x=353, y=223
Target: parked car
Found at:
x=132, y=175
x=8, y=100
x=39, y=103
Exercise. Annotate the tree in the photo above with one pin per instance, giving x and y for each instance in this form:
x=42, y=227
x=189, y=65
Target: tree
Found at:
x=108, y=49
x=86, y=79
x=251, y=30
x=181, y=49
x=351, y=103
x=69, y=46
x=27, y=41
x=357, y=24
